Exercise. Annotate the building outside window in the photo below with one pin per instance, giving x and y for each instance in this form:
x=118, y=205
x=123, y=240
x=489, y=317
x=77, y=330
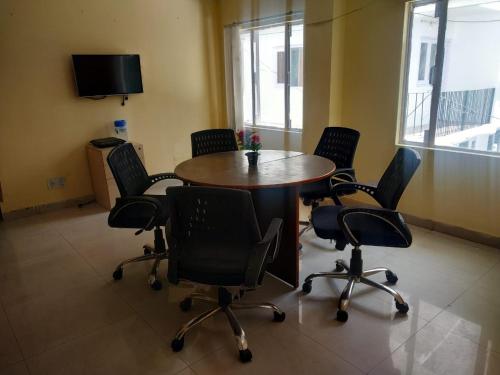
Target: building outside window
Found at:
x=451, y=95
x=267, y=60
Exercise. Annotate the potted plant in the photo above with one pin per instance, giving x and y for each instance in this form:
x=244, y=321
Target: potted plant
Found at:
x=250, y=141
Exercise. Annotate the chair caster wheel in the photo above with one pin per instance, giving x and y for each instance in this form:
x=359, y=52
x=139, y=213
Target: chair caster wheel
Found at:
x=177, y=344
x=342, y=316
x=402, y=307
x=391, y=277
x=279, y=317
x=340, y=245
x=339, y=267
x=245, y=355
x=155, y=285
x=307, y=287
x=147, y=250
x=186, y=304
x=118, y=274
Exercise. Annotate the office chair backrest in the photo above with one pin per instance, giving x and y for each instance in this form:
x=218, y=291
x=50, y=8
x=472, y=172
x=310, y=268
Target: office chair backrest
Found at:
x=213, y=140
x=339, y=145
x=205, y=222
x=128, y=170
x=212, y=216
x=396, y=177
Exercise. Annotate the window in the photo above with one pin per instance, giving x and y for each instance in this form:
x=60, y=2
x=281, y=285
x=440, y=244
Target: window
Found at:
x=426, y=62
x=296, y=66
x=271, y=61
x=423, y=61
x=451, y=95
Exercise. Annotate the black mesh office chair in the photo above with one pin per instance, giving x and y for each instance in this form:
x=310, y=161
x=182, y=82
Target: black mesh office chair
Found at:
x=339, y=145
x=135, y=210
x=367, y=226
x=221, y=245
x=213, y=140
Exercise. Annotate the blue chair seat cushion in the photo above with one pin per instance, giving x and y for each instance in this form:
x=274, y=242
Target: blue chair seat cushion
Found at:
x=324, y=221
x=367, y=229
x=137, y=216
x=315, y=190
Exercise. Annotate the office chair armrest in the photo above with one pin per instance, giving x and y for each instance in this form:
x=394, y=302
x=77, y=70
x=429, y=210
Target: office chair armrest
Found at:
x=120, y=216
x=393, y=218
x=344, y=174
x=162, y=176
x=263, y=253
x=273, y=233
x=342, y=186
x=349, y=186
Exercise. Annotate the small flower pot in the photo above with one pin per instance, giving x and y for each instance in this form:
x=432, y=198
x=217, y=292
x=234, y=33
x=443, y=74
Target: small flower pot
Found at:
x=253, y=157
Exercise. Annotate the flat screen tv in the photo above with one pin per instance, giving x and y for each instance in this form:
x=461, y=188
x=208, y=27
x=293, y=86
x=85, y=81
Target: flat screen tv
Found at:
x=103, y=75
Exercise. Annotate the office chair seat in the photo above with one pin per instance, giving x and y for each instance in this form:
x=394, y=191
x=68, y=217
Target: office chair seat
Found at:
x=364, y=228
x=322, y=222
x=138, y=216
x=315, y=191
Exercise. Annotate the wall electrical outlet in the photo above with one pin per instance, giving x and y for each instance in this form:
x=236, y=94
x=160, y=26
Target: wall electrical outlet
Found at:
x=56, y=182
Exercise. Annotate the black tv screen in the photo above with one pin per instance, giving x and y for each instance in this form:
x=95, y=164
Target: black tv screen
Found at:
x=100, y=75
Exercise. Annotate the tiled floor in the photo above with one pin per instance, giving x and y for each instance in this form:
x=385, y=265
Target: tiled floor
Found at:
x=62, y=314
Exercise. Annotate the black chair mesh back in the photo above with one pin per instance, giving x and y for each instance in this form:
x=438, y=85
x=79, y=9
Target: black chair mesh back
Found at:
x=213, y=140
x=339, y=145
x=396, y=177
x=212, y=215
x=204, y=218
x=128, y=170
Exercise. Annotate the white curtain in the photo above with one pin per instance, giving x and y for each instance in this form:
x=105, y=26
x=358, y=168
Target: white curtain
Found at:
x=234, y=86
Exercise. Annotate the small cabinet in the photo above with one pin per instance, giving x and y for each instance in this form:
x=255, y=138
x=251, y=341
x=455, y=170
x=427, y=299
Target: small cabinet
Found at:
x=103, y=183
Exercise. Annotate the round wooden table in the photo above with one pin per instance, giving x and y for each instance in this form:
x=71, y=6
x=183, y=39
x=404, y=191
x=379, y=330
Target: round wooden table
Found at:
x=274, y=184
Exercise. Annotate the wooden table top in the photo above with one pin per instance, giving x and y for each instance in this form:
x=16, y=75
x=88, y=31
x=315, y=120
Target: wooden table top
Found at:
x=275, y=168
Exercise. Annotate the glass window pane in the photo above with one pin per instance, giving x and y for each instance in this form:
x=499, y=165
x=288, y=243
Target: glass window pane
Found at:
x=423, y=61
x=271, y=94
x=281, y=66
x=246, y=71
x=296, y=75
x=419, y=90
x=469, y=106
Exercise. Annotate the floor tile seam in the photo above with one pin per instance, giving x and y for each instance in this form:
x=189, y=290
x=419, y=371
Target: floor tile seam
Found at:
x=487, y=272
x=7, y=365
x=120, y=297
x=27, y=368
x=478, y=344
x=12, y=331
x=140, y=316
x=458, y=334
x=94, y=269
x=205, y=355
x=455, y=271
x=311, y=337
x=192, y=369
x=71, y=340
x=74, y=338
x=400, y=345
x=470, y=286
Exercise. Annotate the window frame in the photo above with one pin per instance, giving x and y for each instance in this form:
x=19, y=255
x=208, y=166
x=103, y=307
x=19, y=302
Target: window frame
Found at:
x=429, y=141
x=254, y=52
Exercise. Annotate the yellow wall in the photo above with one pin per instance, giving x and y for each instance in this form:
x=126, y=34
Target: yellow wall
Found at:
x=452, y=188
x=44, y=126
